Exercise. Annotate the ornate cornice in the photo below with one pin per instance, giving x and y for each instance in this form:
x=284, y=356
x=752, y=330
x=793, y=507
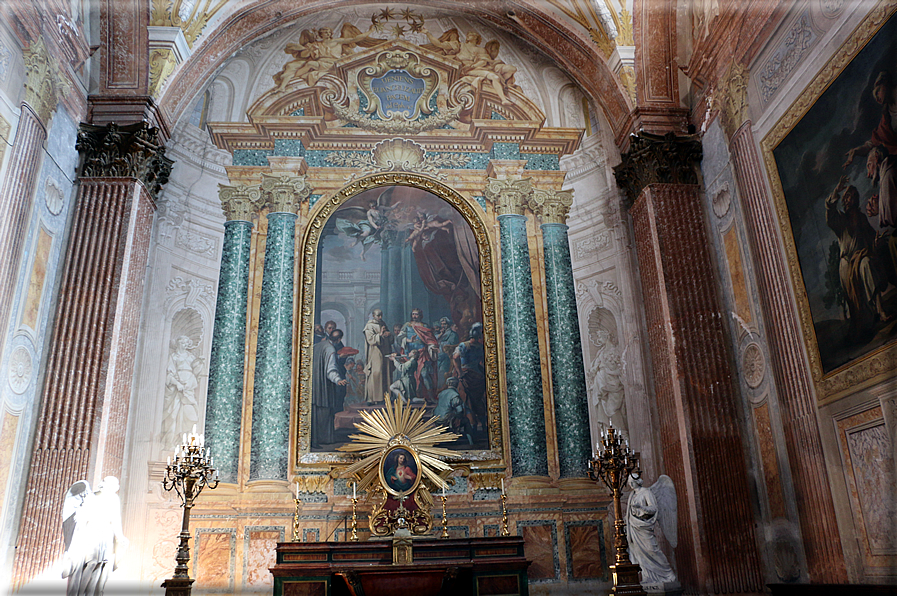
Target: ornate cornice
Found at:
x=733, y=101
x=658, y=159
x=240, y=202
x=551, y=206
x=284, y=194
x=509, y=196
x=44, y=84
x=133, y=151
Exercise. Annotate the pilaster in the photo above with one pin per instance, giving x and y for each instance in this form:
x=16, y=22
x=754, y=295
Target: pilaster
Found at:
x=274, y=356
x=526, y=410
x=224, y=404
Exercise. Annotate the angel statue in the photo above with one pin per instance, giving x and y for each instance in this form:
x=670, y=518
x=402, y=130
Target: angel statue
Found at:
x=94, y=542
x=374, y=225
x=317, y=52
x=647, y=507
x=478, y=64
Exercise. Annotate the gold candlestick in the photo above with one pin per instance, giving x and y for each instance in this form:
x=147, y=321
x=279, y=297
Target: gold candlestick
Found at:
x=504, y=515
x=445, y=533
x=296, y=520
x=354, y=537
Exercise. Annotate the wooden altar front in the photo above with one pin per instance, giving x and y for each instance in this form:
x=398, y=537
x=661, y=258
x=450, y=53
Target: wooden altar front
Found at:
x=493, y=566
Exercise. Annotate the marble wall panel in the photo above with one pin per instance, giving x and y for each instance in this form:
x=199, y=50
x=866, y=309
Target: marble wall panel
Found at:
x=215, y=558
x=736, y=274
x=259, y=544
x=540, y=540
x=767, y=447
x=586, y=555
x=8, y=430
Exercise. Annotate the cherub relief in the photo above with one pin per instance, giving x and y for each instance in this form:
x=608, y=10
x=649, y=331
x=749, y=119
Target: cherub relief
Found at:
x=478, y=64
x=317, y=52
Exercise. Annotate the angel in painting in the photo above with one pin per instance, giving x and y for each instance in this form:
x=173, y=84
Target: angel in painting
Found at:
x=369, y=226
x=317, y=52
x=647, y=507
x=478, y=64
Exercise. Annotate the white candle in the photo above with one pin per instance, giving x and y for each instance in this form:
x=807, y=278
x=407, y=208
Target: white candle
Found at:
x=502, y=486
x=169, y=461
x=353, y=489
x=297, y=489
x=443, y=491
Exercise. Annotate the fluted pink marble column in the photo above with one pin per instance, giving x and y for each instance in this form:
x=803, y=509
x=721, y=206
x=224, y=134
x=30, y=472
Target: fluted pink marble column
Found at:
x=83, y=414
x=822, y=543
x=16, y=198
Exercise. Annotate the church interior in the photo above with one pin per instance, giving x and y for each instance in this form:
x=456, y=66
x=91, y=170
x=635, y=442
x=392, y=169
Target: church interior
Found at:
x=542, y=271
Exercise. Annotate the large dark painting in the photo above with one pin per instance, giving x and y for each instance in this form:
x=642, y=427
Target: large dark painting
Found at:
x=398, y=314
x=838, y=172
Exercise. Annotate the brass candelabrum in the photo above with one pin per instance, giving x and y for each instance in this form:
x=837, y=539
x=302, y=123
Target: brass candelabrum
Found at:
x=354, y=536
x=296, y=519
x=504, y=514
x=612, y=464
x=191, y=471
x=445, y=533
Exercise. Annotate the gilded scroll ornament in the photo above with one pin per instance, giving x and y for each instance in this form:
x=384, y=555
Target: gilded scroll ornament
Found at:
x=44, y=84
x=551, y=206
x=399, y=155
x=240, y=202
x=284, y=194
x=162, y=63
x=510, y=196
x=191, y=16
x=734, y=100
x=133, y=151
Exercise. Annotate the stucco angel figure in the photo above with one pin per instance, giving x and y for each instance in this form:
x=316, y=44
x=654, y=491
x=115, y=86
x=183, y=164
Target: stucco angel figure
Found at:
x=94, y=542
x=646, y=508
x=317, y=52
x=478, y=64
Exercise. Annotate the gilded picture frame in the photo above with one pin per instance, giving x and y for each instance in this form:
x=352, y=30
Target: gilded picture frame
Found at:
x=839, y=364
x=304, y=456
x=390, y=466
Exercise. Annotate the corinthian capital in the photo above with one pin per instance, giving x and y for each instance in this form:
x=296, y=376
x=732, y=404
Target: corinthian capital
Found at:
x=284, y=194
x=44, y=84
x=509, y=196
x=552, y=206
x=239, y=202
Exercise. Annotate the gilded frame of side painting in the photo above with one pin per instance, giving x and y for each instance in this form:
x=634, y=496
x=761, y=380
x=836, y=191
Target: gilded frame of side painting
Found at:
x=851, y=343
x=305, y=456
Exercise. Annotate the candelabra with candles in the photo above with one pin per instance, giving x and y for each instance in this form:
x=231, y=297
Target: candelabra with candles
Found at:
x=296, y=515
x=445, y=533
x=612, y=464
x=354, y=536
x=504, y=511
x=190, y=472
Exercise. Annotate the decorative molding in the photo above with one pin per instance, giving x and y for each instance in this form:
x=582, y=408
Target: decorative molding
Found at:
x=191, y=291
x=551, y=206
x=734, y=98
x=44, y=84
x=721, y=200
x=753, y=365
x=191, y=16
x=591, y=246
x=284, y=194
x=133, y=151
x=5, y=57
x=21, y=369
x=509, y=196
x=162, y=63
x=53, y=196
x=785, y=59
x=196, y=242
x=240, y=202
x=398, y=155
x=658, y=159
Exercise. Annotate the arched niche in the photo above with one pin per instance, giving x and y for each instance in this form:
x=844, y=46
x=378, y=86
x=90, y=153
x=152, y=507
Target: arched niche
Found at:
x=461, y=210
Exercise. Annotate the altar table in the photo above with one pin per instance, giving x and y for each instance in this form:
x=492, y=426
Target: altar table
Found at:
x=493, y=566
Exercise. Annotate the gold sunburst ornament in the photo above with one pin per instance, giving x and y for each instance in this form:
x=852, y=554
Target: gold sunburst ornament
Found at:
x=399, y=459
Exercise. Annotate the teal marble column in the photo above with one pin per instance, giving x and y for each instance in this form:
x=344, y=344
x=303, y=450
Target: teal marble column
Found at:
x=274, y=352
x=568, y=381
x=224, y=403
x=523, y=369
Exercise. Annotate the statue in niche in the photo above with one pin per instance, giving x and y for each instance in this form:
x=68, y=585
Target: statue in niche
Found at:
x=605, y=374
x=94, y=542
x=646, y=508
x=478, y=64
x=317, y=52
x=182, y=374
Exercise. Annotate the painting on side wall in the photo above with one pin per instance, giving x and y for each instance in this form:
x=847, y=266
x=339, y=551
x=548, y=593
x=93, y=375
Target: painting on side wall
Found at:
x=398, y=314
x=832, y=160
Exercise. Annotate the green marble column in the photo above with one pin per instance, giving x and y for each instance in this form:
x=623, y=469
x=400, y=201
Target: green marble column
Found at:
x=571, y=405
x=274, y=353
x=224, y=404
x=523, y=369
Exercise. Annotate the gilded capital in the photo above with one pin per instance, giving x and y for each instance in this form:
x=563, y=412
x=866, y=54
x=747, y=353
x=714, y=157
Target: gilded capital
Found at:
x=284, y=194
x=44, y=84
x=509, y=196
x=734, y=98
x=133, y=151
x=658, y=159
x=240, y=202
x=551, y=206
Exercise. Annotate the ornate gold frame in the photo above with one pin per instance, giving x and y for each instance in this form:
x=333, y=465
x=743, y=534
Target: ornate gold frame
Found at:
x=399, y=494
x=880, y=363
x=486, y=245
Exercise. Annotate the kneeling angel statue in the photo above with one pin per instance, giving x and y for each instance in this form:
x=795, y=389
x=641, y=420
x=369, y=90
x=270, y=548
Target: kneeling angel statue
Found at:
x=646, y=508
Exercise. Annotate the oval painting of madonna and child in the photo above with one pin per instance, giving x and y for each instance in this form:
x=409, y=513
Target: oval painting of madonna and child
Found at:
x=398, y=311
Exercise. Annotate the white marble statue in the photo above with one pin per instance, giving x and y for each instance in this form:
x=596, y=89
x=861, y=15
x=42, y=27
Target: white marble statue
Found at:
x=647, y=507
x=605, y=377
x=94, y=541
x=181, y=409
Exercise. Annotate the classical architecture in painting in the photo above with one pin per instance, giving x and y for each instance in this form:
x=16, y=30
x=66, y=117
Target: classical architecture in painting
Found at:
x=270, y=223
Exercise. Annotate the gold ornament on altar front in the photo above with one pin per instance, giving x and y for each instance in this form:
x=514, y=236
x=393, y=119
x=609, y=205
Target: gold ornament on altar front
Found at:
x=399, y=466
